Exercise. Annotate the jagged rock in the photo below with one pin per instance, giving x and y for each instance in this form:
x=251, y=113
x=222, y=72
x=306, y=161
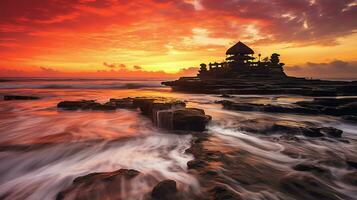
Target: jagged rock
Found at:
x=350, y=178
x=330, y=131
x=312, y=132
x=18, y=97
x=164, y=112
x=192, y=119
x=165, y=190
x=122, y=103
x=352, y=164
x=98, y=185
x=309, y=167
x=149, y=106
x=144, y=104
x=306, y=129
x=332, y=106
x=265, y=108
x=222, y=192
x=264, y=85
x=84, y=105
x=350, y=118
x=194, y=164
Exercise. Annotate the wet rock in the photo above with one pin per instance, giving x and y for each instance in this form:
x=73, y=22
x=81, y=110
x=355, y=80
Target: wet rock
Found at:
x=149, y=106
x=162, y=112
x=266, y=108
x=74, y=105
x=305, y=186
x=165, y=113
x=99, y=185
x=209, y=173
x=308, y=167
x=312, y=132
x=172, y=114
x=352, y=164
x=264, y=85
x=222, y=192
x=18, y=97
x=350, y=178
x=332, y=132
x=332, y=106
x=348, y=109
x=239, y=106
x=144, y=104
x=84, y=105
x=122, y=103
x=192, y=119
x=194, y=164
x=307, y=129
x=165, y=190
x=350, y=118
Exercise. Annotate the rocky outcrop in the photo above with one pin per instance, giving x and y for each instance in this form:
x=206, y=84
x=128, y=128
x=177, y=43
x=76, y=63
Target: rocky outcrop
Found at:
x=84, y=105
x=345, y=107
x=98, y=185
x=332, y=106
x=165, y=190
x=304, y=129
x=190, y=119
x=264, y=86
x=267, y=108
x=122, y=103
x=165, y=113
x=19, y=97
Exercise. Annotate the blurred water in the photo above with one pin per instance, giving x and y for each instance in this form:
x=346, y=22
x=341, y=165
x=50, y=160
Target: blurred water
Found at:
x=43, y=149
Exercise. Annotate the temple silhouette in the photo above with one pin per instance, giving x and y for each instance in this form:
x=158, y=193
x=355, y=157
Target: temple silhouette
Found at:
x=242, y=73
x=240, y=63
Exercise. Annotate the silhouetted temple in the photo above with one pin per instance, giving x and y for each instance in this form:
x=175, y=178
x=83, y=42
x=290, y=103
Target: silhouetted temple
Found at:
x=240, y=63
x=242, y=73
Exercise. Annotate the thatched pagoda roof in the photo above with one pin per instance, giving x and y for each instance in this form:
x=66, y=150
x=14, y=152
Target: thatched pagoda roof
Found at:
x=239, y=48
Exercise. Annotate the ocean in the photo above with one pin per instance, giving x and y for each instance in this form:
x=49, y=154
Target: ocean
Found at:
x=43, y=149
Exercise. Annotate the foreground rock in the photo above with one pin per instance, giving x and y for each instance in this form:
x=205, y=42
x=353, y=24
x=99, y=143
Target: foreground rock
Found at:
x=165, y=190
x=165, y=113
x=99, y=185
x=172, y=114
x=18, y=97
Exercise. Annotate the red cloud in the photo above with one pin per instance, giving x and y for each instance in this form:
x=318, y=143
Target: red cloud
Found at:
x=35, y=30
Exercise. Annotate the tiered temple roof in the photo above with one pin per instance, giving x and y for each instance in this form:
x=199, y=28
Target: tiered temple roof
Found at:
x=240, y=63
x=239, y=49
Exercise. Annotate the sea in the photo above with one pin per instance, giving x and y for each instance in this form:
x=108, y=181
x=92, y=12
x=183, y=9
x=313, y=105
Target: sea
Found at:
x=43, y=149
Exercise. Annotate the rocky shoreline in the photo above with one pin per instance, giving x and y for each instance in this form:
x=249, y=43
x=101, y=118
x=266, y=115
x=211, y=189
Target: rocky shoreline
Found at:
x=208, y=162
x=264, y=86
x=227, y=172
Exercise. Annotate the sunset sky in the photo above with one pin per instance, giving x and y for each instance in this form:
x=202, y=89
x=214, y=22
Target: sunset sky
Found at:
x=163, y=38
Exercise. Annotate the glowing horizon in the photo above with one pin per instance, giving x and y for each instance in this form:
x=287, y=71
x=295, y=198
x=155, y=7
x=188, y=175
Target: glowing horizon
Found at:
x=171, y=38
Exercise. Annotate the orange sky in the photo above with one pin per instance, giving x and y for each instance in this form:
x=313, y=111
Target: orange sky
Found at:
x=166, y=38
